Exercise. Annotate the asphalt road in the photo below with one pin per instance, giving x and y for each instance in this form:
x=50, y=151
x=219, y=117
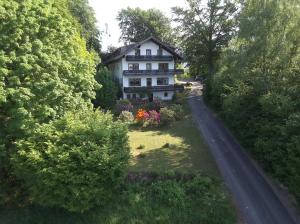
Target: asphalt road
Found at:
x=252, y=193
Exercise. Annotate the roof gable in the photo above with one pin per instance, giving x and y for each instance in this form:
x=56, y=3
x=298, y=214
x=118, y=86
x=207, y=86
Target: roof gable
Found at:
x=122, y=51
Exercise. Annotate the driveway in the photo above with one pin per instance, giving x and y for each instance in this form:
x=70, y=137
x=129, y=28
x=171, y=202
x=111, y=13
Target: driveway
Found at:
x=253, y=194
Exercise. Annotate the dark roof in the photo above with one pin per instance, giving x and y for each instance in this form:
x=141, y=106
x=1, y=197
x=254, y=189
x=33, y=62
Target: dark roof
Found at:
x=122, y=51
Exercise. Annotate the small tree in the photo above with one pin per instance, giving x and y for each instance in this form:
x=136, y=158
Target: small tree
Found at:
x=106, y=96
x=75, y=162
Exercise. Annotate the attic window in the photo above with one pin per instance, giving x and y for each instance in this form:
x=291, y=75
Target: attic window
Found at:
x=137, y=52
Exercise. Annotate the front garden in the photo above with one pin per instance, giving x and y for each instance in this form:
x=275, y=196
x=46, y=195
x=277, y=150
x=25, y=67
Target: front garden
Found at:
x=171, y=176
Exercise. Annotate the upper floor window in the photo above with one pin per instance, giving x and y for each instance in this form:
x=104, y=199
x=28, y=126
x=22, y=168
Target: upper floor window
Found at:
x=148, y=66
x=137, y=52
x=134, y=82
x=162, y=81
x=133, y=66
x=159, y=51
x=148, y=52
x=163, y=66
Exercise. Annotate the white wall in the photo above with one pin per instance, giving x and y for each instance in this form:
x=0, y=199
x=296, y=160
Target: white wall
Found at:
x=144, y=79
x=149, y=45
x=160, y=95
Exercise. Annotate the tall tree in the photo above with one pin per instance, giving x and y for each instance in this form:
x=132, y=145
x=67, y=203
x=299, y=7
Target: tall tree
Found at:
x=85, y=15
x=257, y=87
x=45, y=71
x=137, y=24
x=204, y=30
x=82, y=16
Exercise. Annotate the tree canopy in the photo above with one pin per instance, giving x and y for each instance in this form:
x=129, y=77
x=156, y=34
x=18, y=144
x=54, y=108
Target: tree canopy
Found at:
x=204, y=31
x=47, y=75
x=137, y=24
x=257, y=86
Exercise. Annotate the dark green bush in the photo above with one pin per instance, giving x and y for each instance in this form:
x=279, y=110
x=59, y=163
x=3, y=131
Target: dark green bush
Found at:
x=75, y=162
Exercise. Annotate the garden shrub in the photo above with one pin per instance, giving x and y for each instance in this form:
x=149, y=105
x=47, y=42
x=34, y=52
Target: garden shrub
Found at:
x=123, y=105
x=167, y=116
x=178, y=110
x=126, y=116
x=156, y=104
x=141, y=115
x=179, y=98
x=153, y=119
x=75, y=162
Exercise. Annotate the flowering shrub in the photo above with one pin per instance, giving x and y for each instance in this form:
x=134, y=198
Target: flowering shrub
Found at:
x=141, y=115
x=126, y=116
x=153, y=119
x=123, y=105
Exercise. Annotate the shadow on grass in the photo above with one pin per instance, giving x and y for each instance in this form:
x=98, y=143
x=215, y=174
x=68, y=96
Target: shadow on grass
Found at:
x=191, y=155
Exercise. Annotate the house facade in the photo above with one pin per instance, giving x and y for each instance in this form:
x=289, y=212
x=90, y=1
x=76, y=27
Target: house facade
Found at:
x=145, y=69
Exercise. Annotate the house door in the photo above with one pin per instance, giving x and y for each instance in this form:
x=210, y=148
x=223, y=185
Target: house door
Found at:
x=150, y=96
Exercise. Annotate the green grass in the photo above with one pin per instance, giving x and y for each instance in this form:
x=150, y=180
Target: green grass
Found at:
x=170, y=201
x=179, y=148
x=187, y=151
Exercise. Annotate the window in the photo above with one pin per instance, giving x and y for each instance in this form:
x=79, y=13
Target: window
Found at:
x=134, y=82
x=133, y=96
x=162, y=81
x=148, y=52
x=166, y=94
x=163, y=66
x=128, y=96
x=149, y=82
x=137, y=52
x=148, y=66
x=159, y=52
x=133, y=66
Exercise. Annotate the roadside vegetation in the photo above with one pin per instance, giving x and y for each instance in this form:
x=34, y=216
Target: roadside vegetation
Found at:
x=252, y=76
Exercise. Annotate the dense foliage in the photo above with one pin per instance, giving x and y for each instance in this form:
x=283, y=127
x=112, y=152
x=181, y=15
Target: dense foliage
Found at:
x=75, y=162
x=47, y=76
x=45, y=69
x=85, y=15
x=137, y=24
x=107, y=95
x=198, y=200
x=258, y=86
x=204, y=31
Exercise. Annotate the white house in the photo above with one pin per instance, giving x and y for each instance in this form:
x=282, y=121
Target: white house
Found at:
x=145, y=69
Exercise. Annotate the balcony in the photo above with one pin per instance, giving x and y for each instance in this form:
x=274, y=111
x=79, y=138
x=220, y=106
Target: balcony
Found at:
x=154, y=72
x=153, y=88
x=149, y=58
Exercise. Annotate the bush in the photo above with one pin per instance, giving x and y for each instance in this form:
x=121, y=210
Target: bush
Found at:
x=179, y=98
x=178, y=111
x=153, y=119
x=141, y=115
x=167, y=116
x=156, y=104
x=75, y=162
x=123, y=105
x=107, y=95
x=126, y=116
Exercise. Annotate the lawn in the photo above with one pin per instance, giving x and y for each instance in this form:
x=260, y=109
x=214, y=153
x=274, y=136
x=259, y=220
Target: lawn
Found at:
x=178, y=148
x=167, y=198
